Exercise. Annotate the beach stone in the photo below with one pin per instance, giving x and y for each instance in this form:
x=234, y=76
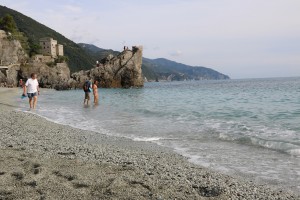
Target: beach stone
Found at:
x=32, y=183
x=86, y=175
x=18, y=175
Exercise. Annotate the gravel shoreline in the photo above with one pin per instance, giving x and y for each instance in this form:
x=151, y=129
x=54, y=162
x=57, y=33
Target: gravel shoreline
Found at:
x=40, y=159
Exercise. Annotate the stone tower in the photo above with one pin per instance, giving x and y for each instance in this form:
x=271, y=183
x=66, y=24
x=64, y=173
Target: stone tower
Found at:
x=49, y=47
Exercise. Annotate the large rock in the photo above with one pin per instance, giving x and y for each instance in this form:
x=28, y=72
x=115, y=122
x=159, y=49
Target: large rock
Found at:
x=19, y=66
x=122, y=71
x=11, y=51
x=11, y=56
x=50, y=77
x=3, y=77
x=13, y=75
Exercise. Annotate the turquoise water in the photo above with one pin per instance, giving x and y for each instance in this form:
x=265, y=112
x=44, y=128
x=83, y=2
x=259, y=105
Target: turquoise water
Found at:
x=245, y=127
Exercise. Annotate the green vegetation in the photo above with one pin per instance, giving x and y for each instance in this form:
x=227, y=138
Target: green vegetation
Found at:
x=84, y=56
x=164, y=67
x=8, y=24
x=99, y=54
x=34, y=48
x=50, y=64
x=160, y=68
x=33, y=30
x=61, y=59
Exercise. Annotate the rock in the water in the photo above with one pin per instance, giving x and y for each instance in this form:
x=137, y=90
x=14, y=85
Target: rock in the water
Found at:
x=49, y=77
x=121, y=71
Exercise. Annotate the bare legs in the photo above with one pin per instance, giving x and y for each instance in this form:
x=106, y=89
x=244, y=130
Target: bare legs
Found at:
x=95, y=99
x=86, y=101
x=32, y=102
x=86, y=98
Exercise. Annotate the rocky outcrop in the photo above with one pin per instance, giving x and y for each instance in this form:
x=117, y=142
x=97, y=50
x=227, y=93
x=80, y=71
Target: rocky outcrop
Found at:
x=3, y=78
x=49, y=77
x=16, y=65
x=11, y=56
x=11, y=51
x=121, y=71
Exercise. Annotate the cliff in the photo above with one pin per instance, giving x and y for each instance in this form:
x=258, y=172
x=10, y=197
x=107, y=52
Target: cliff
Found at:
x=83, y=56
x=78, y=59
x=15, y=64
x=121, y=71
x=161, y=69
x=164, y=69
x=11, y=57
x=56, y=77
x=11, y=51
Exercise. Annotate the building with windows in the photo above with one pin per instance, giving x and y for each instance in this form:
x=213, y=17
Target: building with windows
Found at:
x=50, y=47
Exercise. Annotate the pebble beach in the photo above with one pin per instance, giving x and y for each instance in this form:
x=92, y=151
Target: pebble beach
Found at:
x=40, y=159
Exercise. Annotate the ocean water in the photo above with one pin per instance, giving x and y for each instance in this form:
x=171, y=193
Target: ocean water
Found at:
x=248, y=127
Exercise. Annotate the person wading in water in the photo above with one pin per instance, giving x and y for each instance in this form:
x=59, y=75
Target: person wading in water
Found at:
x=87, y=90
x=33, y=91
x=95, y=92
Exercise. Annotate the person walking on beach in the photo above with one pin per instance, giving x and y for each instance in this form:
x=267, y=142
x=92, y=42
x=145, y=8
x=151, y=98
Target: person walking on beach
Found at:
x=87, y=90
x=95, y=92
x=32, y=87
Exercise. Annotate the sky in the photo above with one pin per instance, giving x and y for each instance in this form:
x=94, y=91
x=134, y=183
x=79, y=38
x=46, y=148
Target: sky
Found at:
x=240, y=38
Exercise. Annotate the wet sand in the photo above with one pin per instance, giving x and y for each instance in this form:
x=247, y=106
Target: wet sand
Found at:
x=40, y=159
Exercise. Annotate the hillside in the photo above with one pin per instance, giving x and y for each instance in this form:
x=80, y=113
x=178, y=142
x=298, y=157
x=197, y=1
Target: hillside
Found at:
x=178, y=71
x=97, y=53
x=161, y=69
x=78, y=58
x=84, y=56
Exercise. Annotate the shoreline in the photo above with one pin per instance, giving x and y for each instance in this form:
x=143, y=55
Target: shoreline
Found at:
x=42, y=159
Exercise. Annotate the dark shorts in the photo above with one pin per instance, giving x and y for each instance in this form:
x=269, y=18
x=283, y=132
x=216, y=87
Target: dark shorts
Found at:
x=30, y=95
x=87, y=95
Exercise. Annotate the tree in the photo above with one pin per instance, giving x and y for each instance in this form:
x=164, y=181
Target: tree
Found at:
x=8, y=24
x=62, y=59
x=34, y=48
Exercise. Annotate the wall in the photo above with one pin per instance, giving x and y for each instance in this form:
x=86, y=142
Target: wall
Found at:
x=60, y=50
x=48, y=46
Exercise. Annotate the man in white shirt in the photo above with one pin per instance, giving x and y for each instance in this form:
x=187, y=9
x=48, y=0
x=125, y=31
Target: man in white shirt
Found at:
x=32, y=87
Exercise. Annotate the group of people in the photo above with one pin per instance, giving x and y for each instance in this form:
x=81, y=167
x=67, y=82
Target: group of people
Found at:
x=88, y=87
x=31, y=88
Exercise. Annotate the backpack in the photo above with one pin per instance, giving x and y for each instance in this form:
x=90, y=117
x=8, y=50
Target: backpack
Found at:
x=86, y=86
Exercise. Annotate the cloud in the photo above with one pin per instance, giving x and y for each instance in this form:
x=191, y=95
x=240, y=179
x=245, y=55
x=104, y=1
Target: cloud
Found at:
x=72, y=8
x=176, y=53
x=239, y=38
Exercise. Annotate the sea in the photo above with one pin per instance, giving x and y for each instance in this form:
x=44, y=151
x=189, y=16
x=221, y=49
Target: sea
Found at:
x=245, y=127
